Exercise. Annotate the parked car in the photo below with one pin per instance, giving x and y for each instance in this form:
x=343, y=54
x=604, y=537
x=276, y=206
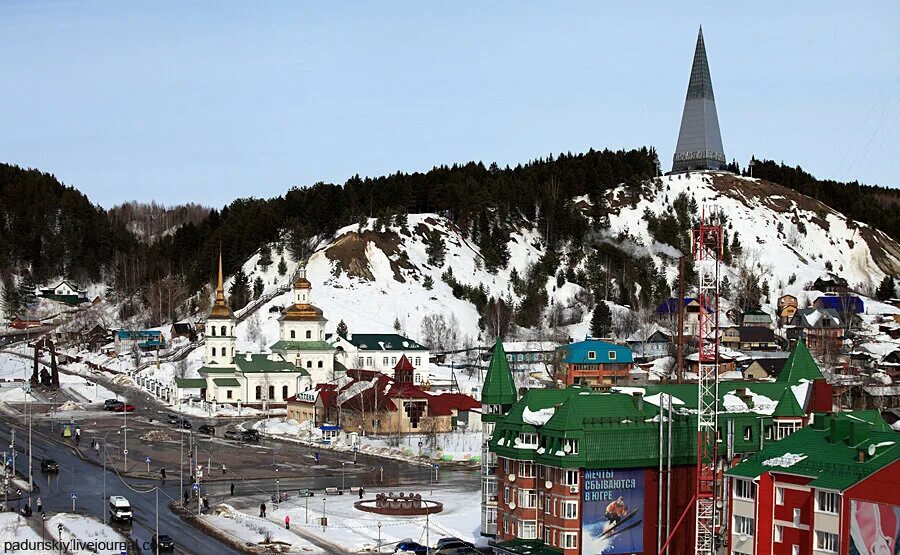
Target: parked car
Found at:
x=207, y=429
x=250, y=435
x=124, y=408
x=165, y=541
x=49, y=465
x=232, y=434
x=111, y=404
x=186, y=424
x=456, y=548
x=409, y=545
x=306, y=493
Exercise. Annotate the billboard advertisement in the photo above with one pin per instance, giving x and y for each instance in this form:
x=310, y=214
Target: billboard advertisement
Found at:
x=612, y=520
x=874, y=528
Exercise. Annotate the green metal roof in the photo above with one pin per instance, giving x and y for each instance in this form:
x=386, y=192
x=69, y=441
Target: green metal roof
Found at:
x=788, y=407
x=285, y=345
x=527, y=547
x=185, y=383
x=205, y=370
x=259, y=363
x=827, y=452
x=499, y=387
x=383, y=342
x=226, y=382
x=799, y=365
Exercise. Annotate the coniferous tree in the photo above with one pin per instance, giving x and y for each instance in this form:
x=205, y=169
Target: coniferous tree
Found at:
x=342, y=330
x=885, y=289
x=258, y=287
x=282, y=267
x=725, y=288
x=240, y=290
x=428, y=282
x=397, y=325
x=265, y=257
x=11, y=301
x=436, y=249
x=601, y=320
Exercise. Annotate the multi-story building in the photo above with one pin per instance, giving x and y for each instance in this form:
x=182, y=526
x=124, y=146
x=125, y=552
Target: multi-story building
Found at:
x=593, y=363
x=381, y=352
x=497, y=396
x=829, y=488
x=578, y=470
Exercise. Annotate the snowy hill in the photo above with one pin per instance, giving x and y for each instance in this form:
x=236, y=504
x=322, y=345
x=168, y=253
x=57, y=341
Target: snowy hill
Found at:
x=372, y=278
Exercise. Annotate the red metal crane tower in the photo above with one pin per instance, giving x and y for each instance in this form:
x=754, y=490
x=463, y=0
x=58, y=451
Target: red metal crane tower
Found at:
x=707, y=247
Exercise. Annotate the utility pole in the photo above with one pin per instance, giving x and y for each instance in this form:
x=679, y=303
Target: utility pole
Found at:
x=680, y=355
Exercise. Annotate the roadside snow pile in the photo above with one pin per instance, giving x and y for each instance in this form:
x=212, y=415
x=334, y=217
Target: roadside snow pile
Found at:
x=14, y=528
x=538, y=417
x=69, y=405
x=250, y=530
x=87, y=534
x=785, y=461
x=283, y=427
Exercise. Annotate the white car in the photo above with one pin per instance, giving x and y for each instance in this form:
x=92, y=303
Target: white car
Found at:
x=119, y=508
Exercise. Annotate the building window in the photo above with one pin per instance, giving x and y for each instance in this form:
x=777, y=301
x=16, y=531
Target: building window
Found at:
x=320, y=364
x=271, y=392
x=570, y=509
x=744, y=489
x=527, y=530
x=527, y=499
x=592, y=355
x=779, y=495
x=748, y=433
x=228, y=394
x=570, y=540
x=795, y=550
x=213, y=351
x=258, y=392
x=570, y=446
x=779, y=533
x=284, y=392
x=743, y=525
x=224, y=332
x=520, y=357
x=612, y=355
x=506, y=494
x=826, y=541
x=369, y=361
x=526, y=470
x=308, y=334
x=418, y=361
x=528, y=439
x=796, y=517
x=571, y=478
x=309, y=364
x=394, y=361
x=293, y=334
x=214, y=330
x=828, y=502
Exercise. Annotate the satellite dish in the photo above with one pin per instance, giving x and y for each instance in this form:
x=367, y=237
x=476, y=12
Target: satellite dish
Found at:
x=567, y=448
x=548, y=484
x=871, y=450
x=511, y=477
x=743, y=537
x=512, y=505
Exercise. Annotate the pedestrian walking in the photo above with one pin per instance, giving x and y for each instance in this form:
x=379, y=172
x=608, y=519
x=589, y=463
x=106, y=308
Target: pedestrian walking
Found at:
x=232, y=489
x=287, y=521
x=97, y=448
x=92, y=443
x=361, y=492
x=40, y=506
x=262, y=510
x=185, y=497
x=206, y=504
x=317, y=457
x=223, y=469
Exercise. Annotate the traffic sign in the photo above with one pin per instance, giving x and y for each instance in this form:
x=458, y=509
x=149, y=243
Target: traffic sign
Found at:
x=195, y=487
x=74, y=495
x=125, y=451
x=420, y=444
x=147, y=460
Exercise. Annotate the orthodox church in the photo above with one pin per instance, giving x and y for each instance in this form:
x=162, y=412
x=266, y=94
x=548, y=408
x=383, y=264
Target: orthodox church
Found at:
x=299, y=360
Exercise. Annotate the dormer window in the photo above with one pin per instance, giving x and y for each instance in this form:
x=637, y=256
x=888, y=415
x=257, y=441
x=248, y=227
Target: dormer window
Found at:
x=592, y=355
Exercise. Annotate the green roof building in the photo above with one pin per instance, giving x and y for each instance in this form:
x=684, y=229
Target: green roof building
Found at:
x=800, y=365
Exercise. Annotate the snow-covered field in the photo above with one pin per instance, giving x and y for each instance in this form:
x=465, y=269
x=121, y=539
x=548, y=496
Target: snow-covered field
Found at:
x=256, y=531
x=18, y=537
x=16, y=371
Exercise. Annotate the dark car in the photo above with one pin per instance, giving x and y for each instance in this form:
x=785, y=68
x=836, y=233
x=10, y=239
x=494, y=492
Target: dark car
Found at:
x=207, y=429
x=174, y=419
x=232, y=434
x=186, y=424
x=124, y=408
x=165, y=541
x=49, y=465
x=409, y=545
x=250, y=435
x=111, y=404
x=455, y=548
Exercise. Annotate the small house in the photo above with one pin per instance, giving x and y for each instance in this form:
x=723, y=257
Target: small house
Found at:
x=831, y=283
x=593, y=363
x=65, y=292
x=843, y=304
x=754, y=317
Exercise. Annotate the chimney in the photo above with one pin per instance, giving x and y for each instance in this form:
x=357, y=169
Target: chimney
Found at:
x=859, y=432
x=248, y=357
x=638, y=399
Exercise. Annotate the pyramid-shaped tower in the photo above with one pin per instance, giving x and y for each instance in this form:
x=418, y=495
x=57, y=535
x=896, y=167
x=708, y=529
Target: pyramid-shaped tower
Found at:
x=699, y=140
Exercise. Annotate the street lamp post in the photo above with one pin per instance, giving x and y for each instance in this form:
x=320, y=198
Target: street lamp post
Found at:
x=342, y=475
x=323, y=513
x=379, y=537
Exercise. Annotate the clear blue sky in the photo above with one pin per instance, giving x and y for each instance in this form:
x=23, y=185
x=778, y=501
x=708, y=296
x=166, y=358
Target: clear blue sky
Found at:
x=206, y=102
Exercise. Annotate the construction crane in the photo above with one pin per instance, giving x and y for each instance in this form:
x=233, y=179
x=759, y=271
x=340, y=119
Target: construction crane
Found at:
x=707, y=250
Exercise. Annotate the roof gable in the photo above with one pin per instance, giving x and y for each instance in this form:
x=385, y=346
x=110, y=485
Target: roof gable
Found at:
x=800, y=365
x=499, y=387
x=788, y=407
